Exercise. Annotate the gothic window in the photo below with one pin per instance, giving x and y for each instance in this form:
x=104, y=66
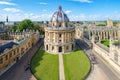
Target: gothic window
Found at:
x=52, y=47
x=1, y=61
x=72, y=46
x=47, y=47
x=116, y=57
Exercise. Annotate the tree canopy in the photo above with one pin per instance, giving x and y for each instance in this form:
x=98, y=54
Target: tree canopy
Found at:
x=25, y=24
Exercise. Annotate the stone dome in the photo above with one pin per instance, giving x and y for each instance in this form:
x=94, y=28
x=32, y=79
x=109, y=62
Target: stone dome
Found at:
x=59, y=16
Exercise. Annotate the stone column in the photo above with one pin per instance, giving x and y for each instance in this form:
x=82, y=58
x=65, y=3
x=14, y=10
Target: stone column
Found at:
x=65, y=37
x=55, y=37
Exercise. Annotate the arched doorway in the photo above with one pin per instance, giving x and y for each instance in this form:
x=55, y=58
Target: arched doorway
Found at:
x=60, y=49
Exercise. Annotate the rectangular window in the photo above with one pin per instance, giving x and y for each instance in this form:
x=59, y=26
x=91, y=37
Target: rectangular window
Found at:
x=10, y=54
x=1, y=61
x=6, y=57
x=14, y=52
x=60, y=35
x=67, y=47
x=59, y=41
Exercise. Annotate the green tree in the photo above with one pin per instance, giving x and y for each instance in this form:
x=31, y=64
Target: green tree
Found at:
x=27, y=24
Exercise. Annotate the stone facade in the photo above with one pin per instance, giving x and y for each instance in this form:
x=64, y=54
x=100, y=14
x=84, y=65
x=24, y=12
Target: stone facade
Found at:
x=11, y=55
x=111, y=55
x=94, y=35
x=59, y=35
x=109, y=23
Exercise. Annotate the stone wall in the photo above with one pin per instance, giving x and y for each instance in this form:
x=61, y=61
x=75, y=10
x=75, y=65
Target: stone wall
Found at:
x=105, y=53
x=10, y=56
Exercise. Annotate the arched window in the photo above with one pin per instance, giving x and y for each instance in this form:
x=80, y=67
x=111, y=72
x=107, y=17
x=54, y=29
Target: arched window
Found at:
x=46, y=47
x=52, y=47
x=72, y=46
x=60, y=49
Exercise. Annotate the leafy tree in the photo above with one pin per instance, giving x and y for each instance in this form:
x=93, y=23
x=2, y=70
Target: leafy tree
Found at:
x=27, y=24
x=101, y=25
x=1, y=23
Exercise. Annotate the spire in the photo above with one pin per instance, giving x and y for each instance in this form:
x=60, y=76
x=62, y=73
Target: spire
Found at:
x=7, y=19
x=60, y=8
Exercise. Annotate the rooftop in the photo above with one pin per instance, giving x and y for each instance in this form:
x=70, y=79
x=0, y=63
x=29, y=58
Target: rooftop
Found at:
x=7, y=46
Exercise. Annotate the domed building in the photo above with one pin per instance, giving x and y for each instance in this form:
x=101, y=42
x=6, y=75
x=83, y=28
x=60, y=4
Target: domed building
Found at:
x=59, y=34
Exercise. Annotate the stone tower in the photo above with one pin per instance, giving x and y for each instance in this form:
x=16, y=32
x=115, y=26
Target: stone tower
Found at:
x=109, y=23
x=59, y=34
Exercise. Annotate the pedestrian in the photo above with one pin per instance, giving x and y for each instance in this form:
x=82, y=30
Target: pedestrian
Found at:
x=24, y=68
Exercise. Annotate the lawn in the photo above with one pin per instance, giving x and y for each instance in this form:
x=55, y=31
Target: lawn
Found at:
x=44, y=66
x=76, y=65
x=105, y=42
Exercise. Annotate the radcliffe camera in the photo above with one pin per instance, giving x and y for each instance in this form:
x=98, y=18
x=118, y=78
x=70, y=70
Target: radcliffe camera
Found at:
x=59, y=40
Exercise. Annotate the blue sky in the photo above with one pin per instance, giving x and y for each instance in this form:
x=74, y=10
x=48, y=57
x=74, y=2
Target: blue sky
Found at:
x=78, y=10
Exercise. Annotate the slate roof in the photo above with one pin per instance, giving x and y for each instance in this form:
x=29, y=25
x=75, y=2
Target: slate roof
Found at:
x=7, y=46
x=1, y=29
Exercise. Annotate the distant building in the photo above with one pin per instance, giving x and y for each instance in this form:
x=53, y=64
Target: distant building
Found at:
x=109, y=23
x=8, y=23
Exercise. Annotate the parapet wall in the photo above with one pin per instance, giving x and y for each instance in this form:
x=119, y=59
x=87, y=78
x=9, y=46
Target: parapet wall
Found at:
x=107, y=56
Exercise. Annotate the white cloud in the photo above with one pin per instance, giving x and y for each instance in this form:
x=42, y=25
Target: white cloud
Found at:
x=20, y=16
x=46, y=17
x=83, y=1
x=6, y=3
x=43, y=3
x=13, y=10
x=68, y=11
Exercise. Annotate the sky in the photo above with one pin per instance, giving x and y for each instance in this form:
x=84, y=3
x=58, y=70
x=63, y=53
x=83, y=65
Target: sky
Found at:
x=42, y=10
